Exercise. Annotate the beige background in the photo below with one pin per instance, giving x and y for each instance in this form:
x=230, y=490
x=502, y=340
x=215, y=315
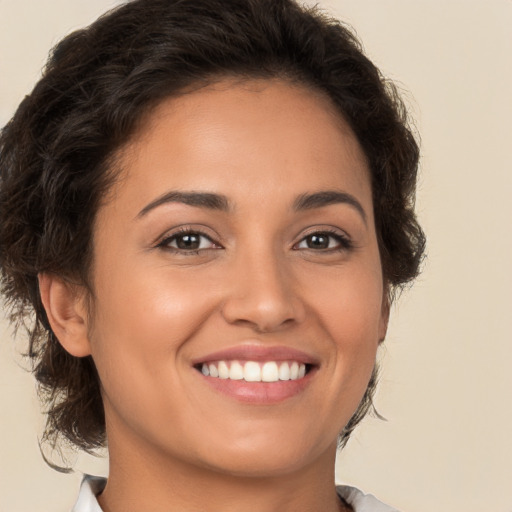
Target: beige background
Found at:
x=447, y=380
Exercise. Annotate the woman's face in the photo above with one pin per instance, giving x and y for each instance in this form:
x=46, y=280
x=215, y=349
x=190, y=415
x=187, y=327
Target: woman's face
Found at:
x=239, y=240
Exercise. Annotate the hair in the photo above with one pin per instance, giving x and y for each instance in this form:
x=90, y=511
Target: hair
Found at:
x=57, y=153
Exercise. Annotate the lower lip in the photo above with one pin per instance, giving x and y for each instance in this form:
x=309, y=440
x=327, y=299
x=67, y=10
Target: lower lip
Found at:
x=259, y=392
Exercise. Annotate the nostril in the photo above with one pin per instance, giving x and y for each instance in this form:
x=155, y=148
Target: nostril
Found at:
x=266, y=303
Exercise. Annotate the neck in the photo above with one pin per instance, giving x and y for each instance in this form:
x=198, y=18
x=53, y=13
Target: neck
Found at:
x=143, y=478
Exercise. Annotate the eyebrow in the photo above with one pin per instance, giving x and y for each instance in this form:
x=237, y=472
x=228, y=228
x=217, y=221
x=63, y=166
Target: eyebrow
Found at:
x=220, y=202
x=327, y=198
x=197, y=199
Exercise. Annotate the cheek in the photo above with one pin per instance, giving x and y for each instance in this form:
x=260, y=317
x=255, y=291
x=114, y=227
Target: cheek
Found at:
x=350, y=303
x=141, y=324
x=350, y=308
x=138, y=341
x=153, y=303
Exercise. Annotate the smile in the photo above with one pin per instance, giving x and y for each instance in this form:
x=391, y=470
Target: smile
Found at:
x=261, y=375
x=253, y=371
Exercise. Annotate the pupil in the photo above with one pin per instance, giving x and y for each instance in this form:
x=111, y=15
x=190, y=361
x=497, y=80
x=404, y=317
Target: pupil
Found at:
x=188, y=242
x=318, y=242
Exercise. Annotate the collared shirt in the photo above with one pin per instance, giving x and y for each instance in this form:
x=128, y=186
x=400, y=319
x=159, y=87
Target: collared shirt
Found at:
x=360, y=502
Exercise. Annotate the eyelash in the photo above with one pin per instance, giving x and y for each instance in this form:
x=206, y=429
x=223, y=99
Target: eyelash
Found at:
x=182, y=232
x=343, y=242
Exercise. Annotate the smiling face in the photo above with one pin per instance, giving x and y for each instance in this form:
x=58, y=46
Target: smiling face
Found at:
x=239, y=241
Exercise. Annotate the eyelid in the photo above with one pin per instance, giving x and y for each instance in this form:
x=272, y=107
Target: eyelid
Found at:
x=344, y=240
x=163, y=240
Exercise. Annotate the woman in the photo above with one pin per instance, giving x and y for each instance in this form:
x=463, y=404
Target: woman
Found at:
x=206, y=208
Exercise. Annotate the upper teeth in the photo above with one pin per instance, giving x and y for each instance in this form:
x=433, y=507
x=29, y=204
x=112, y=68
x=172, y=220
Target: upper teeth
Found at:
x=252, y=371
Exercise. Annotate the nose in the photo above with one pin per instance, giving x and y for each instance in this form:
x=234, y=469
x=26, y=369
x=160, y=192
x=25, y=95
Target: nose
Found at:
x=263, y=295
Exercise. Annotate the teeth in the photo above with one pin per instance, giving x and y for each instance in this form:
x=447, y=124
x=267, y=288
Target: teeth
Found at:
x=284, y=371
x=236, y=372
x=294, y=371
x=251, y=371
x=213, y=370
x=270, y=372
x=223, y=370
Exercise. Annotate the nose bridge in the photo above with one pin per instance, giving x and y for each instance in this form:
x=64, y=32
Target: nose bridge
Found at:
x=262, y=291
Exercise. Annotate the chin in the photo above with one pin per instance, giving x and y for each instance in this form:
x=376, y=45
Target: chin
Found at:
x=259, y=458
x=268, y=465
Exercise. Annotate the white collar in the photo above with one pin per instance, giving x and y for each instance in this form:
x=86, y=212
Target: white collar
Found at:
x=360, y=502
x=90, y=488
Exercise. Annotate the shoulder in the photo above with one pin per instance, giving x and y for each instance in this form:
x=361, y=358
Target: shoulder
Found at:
x=362, y=502
x=90, y=488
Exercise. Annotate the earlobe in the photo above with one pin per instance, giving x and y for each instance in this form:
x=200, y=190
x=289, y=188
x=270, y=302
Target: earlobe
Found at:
x=66, y=312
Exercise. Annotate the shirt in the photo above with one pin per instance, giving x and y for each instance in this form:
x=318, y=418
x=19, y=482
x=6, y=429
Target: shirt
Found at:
x=360, y=502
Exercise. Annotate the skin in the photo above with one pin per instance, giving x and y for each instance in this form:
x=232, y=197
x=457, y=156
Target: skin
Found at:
x=256, y=279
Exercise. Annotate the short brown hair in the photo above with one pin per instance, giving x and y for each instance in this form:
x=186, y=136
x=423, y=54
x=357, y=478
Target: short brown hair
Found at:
x=56, y=152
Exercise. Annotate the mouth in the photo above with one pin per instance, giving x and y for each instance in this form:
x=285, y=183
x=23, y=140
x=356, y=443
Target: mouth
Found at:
x=256, y=374
x=255, y=371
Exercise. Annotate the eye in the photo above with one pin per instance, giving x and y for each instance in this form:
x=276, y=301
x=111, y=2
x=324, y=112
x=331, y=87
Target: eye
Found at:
x=188, y=240
x=324, y=241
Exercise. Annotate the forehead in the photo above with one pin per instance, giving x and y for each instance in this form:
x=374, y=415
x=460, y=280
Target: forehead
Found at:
x=244, y=136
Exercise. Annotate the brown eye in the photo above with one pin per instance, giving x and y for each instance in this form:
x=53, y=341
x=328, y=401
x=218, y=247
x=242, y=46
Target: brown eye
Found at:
x=317, y=241
x=188, y=241
x=324, y=241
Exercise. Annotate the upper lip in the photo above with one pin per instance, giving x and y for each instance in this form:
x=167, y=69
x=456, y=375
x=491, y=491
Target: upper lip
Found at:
x=258, y=352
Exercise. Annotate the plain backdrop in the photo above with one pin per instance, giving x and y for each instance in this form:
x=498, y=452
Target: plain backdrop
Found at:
x=446, y=383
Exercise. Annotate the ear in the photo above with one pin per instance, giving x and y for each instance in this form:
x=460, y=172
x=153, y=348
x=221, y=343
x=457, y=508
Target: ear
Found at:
x=65, y=308
x=384, y=316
